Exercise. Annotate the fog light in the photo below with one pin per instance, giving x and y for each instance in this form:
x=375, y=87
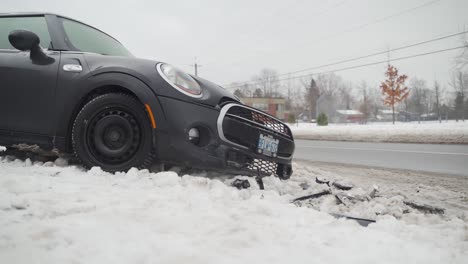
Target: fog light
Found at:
x=194, y=135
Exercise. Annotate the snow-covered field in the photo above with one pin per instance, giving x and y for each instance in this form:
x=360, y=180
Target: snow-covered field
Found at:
x=426, y=132
x=51, y=214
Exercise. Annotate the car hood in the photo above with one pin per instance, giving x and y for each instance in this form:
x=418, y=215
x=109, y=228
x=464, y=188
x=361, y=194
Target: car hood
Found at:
x=145, y=70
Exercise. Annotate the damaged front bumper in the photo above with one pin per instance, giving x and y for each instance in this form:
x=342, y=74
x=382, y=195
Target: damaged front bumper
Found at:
x=228, y=139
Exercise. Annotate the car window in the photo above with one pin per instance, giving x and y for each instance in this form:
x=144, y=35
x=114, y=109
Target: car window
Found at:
x=37, y=25
x=84, y=38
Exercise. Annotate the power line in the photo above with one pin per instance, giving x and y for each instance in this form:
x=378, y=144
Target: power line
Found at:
x=379, y=20
x=363, y=65
x=376, y=21
x=368, y=56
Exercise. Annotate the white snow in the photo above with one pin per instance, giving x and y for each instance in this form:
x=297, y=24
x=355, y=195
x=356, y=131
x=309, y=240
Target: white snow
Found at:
x=426, y=132
x=51, y=214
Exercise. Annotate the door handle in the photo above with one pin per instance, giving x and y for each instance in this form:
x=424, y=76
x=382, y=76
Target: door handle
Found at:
x=72, y=68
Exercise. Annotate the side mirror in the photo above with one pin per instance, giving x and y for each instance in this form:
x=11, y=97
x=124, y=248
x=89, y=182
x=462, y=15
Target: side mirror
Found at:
x=24, y=40
x=28, y=41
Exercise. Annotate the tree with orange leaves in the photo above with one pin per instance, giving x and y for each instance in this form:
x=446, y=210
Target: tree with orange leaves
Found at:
x=393, y=88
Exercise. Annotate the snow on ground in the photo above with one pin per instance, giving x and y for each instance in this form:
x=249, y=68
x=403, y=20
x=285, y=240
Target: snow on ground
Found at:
x=51, y=214
x=426, y=132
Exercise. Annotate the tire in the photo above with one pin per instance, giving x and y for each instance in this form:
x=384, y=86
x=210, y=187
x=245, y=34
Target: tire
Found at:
x=113, y=131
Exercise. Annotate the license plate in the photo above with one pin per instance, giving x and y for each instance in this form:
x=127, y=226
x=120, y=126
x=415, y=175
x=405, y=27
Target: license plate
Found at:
x=267, y=145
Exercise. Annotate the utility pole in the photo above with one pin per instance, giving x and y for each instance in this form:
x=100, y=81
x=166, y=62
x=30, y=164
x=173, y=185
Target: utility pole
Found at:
x=195, y=66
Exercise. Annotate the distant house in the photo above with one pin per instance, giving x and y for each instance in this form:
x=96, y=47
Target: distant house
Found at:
x=405, y=116
x=386, y=115
x=349, y=116
x=273, y=106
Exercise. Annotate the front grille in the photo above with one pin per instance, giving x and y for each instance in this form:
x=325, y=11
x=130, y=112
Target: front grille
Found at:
x=242, y=126
x=264, y=167
x=260, y=119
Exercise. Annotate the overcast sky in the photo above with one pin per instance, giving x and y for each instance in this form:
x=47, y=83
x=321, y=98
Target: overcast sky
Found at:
x=234, y=40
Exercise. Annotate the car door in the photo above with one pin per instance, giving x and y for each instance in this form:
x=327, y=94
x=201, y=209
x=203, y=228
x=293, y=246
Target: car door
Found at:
x=27, y=89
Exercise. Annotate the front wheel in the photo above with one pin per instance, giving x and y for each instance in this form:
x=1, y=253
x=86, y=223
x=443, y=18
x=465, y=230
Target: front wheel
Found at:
x=113, y=131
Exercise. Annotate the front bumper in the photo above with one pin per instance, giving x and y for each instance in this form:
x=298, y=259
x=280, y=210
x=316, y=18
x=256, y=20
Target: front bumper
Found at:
x=228, y=139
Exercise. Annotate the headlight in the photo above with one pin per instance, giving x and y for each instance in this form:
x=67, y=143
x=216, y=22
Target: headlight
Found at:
x=179, y=80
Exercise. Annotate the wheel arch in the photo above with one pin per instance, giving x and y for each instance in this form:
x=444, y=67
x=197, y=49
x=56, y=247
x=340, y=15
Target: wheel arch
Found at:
x=113, y=82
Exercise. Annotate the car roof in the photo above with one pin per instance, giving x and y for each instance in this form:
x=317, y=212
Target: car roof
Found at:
x=25, y=14
x=16, y=14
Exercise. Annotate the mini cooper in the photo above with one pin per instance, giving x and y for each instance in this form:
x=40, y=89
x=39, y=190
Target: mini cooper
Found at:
x=67, y=87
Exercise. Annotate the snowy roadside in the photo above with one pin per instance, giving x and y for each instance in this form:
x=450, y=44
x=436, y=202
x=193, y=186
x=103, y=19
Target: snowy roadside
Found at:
x=430, y=132
x=51, y=214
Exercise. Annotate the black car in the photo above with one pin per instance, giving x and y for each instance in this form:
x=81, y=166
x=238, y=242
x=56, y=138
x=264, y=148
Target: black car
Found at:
x=71, y=88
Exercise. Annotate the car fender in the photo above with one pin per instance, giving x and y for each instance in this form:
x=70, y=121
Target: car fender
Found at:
x=96, y=83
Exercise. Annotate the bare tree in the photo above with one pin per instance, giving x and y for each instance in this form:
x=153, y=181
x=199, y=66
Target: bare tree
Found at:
x=459, y=82
x=462, y=59
x=345, y=98
x=418, y=96
x=258, y=93
x=329, y=84
x=365, y=105
x=246, y=90
x=437, y=94
x=268, y=81
x=239, y=93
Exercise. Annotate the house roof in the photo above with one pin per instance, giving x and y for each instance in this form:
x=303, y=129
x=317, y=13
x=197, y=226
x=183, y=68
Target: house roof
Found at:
x=349, y=112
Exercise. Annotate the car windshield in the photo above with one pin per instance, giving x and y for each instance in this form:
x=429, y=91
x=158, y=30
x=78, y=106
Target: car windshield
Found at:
x=81, y=37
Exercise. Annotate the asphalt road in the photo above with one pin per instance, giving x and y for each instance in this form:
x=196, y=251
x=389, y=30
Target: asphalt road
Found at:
x=437, y=158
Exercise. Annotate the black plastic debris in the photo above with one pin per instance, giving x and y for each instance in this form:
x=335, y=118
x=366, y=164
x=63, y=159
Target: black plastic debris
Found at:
x=312, y=196
x=322, y=181
x=343, y=186
x=360, y=221
x=425, y=208
x=259, y=180
x=241, y=184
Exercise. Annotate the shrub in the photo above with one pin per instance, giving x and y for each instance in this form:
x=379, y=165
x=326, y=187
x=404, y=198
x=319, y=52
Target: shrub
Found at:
x=291, y=118
x=322, y=120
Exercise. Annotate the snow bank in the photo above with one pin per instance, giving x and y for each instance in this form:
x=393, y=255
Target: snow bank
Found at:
x=68, y=215
x=428, y=132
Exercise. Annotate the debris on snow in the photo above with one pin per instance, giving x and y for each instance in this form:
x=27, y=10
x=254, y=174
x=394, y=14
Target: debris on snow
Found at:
x=241, y=184
x=343, y=185
x=343, y=198
x=321, y=180
x=259, y=180
x=312, y=196
x=425, y=208
x=360, y=221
